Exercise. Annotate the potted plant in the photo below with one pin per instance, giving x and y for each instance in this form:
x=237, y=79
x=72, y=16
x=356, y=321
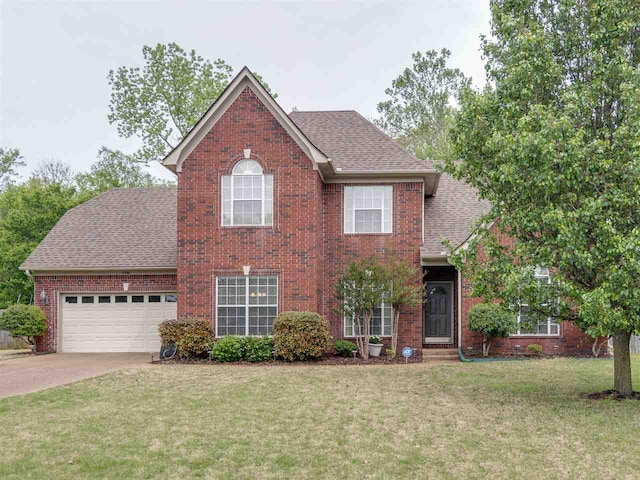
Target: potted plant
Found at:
x=375, y=346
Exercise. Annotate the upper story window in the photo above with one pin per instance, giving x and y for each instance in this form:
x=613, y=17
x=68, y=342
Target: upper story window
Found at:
x=368, y=209
x=247, y=196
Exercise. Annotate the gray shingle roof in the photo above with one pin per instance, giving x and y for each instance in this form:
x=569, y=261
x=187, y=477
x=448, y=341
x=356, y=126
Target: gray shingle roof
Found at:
x=123, y=228
x=452, y=213
x=354, y=143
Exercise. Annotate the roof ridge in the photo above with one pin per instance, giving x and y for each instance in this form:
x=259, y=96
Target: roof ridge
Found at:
x=323, y=111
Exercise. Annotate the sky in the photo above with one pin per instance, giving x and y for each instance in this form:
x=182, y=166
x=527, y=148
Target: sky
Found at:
x=55, y=57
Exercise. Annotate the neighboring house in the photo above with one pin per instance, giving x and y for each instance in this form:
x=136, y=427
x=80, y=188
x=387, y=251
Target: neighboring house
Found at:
x=268, y=209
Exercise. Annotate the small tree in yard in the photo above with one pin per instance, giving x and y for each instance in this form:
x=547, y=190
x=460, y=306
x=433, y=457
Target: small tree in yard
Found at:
x=23, y=321
x=491, y=321
x=360, y=289
x=406, y=290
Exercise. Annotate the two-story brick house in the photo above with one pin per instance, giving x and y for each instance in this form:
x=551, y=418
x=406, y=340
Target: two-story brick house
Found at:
x=268, y=209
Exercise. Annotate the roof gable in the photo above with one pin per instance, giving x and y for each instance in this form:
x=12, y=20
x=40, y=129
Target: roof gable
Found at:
x=244, y=79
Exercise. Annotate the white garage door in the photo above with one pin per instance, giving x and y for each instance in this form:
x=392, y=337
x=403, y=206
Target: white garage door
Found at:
x=114, y=322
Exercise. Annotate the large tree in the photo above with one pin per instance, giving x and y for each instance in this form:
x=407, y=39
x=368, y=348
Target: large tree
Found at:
x=160, y=102
x=27, y=213
x=114, y=169
x=554, y=143
x=10, y=161
x=419, y=111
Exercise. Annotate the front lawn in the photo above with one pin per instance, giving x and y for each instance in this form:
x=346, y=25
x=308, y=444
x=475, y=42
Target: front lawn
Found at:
x=491, y=420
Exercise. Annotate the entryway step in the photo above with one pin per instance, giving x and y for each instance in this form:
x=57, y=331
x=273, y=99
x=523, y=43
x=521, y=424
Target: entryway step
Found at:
x=440, y=354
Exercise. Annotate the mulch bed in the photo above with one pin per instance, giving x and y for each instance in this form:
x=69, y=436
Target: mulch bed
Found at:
x=613, y=395
x=328, y=360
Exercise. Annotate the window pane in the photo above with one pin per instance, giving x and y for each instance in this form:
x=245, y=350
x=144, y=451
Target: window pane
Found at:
x=261, y=320
x=137, y=298
x=247, y=212
x=71, y=299
x=247, y=167
x=348, y=209
x=171, y=298
x=368, y=221
x=154, y=298
x=231, y=321
x=268, y=199
x=104, y=299
x=231, y=291
x=121, y=299
x=226, y=200
x=87, y=299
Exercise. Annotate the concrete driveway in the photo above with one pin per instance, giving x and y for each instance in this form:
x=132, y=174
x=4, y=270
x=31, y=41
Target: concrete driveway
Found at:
x=26, y=374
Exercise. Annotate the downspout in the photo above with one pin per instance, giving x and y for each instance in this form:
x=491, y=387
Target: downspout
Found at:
x=460, y=354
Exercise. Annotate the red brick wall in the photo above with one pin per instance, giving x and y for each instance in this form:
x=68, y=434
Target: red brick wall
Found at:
x=570, y=341
x=291, y=248
x=340, y=249
x=54, y=285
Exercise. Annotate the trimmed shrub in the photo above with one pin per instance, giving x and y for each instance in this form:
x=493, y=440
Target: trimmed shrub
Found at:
x=24, y=321
x=535, y=349
x=492, y=321
x=228, y=349
x=300, y=335
x=344, y=348
x=256, y=349
x=192, y=336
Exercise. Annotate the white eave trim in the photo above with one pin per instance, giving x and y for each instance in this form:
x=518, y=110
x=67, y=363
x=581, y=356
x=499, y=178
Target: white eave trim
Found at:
x=245, y=79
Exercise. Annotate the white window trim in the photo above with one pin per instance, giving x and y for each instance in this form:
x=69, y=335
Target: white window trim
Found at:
x=246, y=305
x=353, y=212
x=382, y=306
x=263, y=199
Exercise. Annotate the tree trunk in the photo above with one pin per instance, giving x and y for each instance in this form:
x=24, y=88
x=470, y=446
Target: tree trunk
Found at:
x=394, y=337
x=622, y=363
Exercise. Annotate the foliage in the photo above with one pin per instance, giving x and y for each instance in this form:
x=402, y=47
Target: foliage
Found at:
x=492, y=321
x=375, y=340
x=54, y=172
x=344, y=348
x=27, y=213
x=257, y=349
x=361, y=288
x=300, y=335
x=535, y=349
x=192, y=336
x=23, y=321
x=10, y=161
x=160, y=102
x=419, y=112
x=554, y=143
x=234, y=348
x=228, y=349
x=406, y=290
x=115, y=169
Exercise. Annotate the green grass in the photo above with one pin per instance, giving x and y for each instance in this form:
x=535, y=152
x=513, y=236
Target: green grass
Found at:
x=492, y=420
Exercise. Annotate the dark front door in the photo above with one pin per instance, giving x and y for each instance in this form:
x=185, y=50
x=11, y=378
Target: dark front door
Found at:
x=438, y=315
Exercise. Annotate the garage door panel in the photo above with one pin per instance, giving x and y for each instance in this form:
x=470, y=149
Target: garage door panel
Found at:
x=114, y=327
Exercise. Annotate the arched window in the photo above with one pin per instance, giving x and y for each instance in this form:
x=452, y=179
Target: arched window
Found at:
x=247, y=196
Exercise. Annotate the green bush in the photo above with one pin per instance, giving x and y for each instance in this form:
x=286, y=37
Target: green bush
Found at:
x=192, y=336
x=24, y=321
x=535, y=349
x=228, y=349
x=344, y=348
x=492, y=321
x=256, y=349
x=300, y=335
